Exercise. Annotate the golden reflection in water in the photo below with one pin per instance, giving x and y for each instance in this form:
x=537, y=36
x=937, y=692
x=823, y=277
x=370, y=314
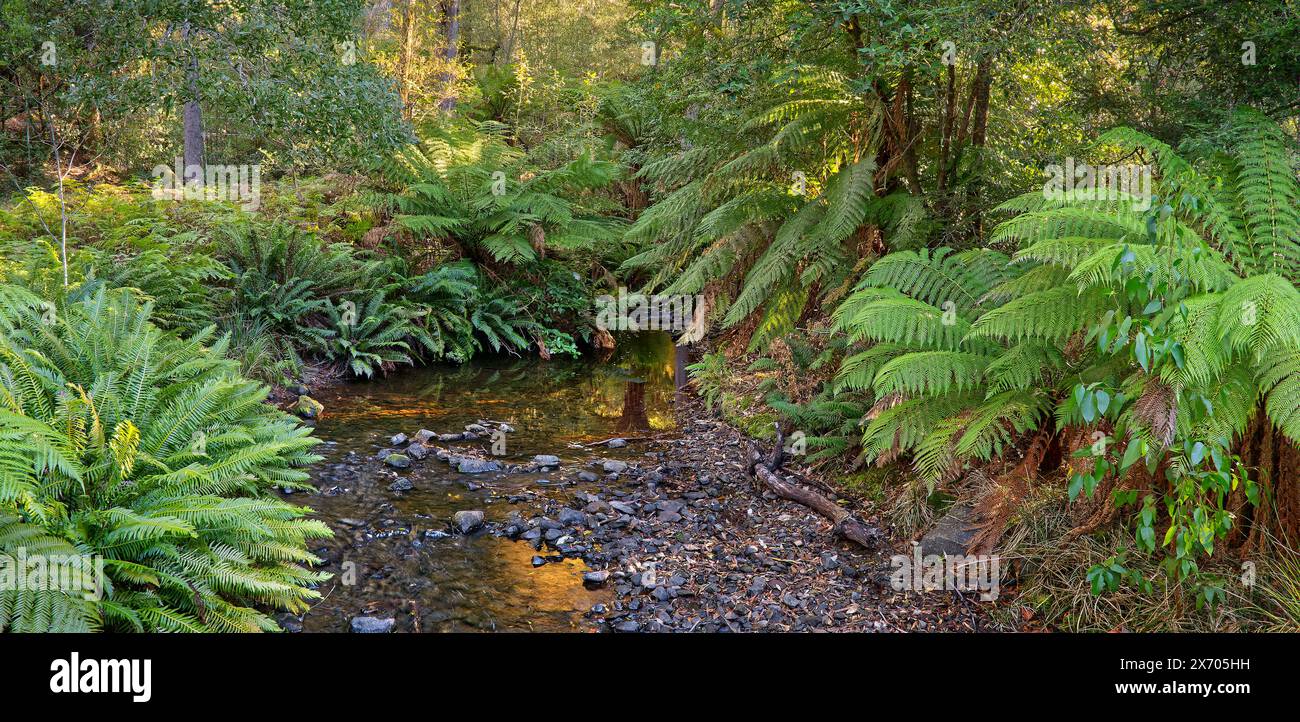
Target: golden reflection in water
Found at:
x=553, y=589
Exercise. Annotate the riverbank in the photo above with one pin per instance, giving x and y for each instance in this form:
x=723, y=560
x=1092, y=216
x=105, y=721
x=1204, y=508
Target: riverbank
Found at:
x=698, y=549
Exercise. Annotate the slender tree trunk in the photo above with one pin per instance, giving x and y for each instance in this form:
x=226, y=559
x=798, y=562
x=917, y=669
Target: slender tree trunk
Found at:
x=449, y=56
x=63, y=206
x=192, y=114
x=508, y=52
x=982, y=88
x=983, y=85
x=408, y=53
x=949, y=120
x=634, y=415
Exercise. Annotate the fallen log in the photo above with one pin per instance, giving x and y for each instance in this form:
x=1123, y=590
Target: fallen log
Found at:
x=843, y=523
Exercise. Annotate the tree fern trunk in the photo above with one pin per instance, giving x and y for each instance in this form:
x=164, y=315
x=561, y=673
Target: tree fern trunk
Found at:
x=1273, y=461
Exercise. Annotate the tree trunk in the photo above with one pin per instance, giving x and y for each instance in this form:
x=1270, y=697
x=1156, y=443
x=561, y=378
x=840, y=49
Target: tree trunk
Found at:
x=508, y=51
x=408, y=53
x=448, y=78
x=192, y=118
x=843, y=523
x=982, y=87
x=949, y=120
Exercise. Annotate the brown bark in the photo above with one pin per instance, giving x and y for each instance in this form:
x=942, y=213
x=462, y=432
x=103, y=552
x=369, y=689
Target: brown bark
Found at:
x=634, y=413
x=842, y=522
x=983, y=84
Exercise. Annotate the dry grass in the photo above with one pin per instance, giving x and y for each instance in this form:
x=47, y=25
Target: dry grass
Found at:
x=1052, y=575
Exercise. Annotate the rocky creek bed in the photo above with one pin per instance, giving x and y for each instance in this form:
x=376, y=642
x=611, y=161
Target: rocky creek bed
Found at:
x=665, y=532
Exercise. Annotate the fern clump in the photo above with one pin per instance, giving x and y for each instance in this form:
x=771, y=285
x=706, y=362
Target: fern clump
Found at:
x=125, y=444
x=465, y=187
x=1163, y=331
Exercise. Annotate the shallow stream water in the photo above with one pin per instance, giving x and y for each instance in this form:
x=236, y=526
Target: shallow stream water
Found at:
x=388, y=556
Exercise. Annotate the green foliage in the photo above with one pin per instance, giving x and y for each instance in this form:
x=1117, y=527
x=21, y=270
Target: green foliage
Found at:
x=467, y=188
x=124, y=442
x=371, y=335
x=1111, y=313
x=709, y=374
x=276, y=83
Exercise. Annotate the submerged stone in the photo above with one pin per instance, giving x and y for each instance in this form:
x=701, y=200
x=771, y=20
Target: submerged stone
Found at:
x=372, y=625
x=468, y=521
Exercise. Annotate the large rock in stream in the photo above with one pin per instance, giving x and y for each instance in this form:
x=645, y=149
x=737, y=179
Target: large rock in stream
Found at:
x=308, y=408
x=468, y=521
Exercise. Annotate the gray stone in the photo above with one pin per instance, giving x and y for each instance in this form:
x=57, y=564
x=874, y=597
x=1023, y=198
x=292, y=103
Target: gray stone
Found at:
x=546, y=460
x=398, y=461
x=952, y=534
x=617, y=443
x=372, y=625
x=468, y=521
x=572, y=517
x=423, y=436
x=466, y=465
x=401, y=485
x=398, y=439
x=307, y=407
x=613, y=466
x=419, y=452
x=599, y=577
